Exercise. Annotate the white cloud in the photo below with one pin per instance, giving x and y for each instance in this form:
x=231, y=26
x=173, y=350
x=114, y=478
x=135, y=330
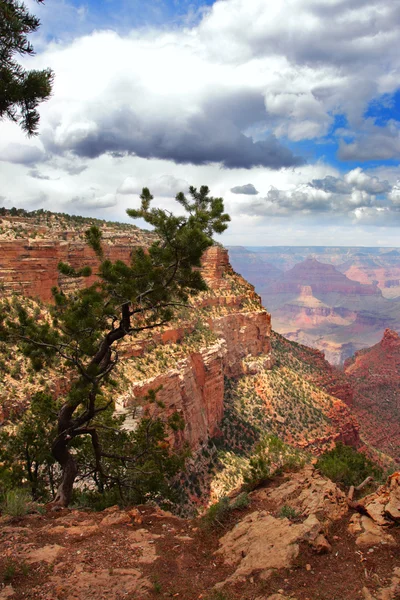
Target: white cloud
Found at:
x=349, y=198
x=24, y=154
x=168, y=107
x=165, y=186
x=93, y=200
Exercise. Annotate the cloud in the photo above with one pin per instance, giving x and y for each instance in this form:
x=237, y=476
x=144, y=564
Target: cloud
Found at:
x=203, y=137
x=22, y=154
x=74, y=169
x=353, y=197
x=36, y=174
x=243, y=86
x=372, y=142
x=247, y=189
x=93, y=201
x=356, y=179
x=165, y=185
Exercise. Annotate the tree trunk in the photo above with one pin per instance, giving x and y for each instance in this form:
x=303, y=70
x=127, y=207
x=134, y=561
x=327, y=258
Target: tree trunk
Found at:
x=69, y=472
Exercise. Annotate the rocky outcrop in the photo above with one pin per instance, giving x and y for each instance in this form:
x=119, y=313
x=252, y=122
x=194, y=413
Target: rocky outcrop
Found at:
x=381, y=512
x=263, y=543
x=195, y=388
x=29, y=267
x=383, y=506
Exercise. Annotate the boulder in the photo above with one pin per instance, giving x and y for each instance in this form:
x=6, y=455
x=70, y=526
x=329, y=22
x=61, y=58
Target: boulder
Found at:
x=309, y=493
x=383, y=506
x=368, y=532
x=262, y=543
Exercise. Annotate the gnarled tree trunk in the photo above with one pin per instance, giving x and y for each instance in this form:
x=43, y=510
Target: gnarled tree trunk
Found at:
x=69, y=467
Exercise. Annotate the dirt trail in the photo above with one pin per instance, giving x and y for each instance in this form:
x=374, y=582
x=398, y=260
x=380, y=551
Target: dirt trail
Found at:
x=146, y=553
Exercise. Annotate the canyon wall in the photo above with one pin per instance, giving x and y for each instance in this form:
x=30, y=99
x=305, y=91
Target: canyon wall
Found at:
x=29, y=267
x=194, y=387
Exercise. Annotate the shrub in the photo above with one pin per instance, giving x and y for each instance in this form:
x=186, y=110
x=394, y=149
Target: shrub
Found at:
x=345, y=466
x=271, y=457
x=219, y=512
x=14, y=569
x=240, y=502
x=16, y=503
x=288, y=512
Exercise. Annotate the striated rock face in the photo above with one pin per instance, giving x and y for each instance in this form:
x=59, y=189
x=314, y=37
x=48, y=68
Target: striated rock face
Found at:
x=375, y=376
x=29, y=267
x=245, y=334
x=195, y=388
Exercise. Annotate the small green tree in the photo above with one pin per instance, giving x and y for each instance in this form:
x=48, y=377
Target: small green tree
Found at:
x=87, y=326
x=21, y=91
x=25, y=452
x=345, y=466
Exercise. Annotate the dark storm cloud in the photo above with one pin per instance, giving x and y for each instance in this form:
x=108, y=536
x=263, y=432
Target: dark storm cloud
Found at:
x=213, y=136
x=247, y=189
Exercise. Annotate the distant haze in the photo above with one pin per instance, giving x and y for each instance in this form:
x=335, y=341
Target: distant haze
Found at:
x=338, y=299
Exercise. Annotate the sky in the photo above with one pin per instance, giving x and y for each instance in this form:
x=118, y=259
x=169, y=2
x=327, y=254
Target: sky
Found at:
x=288, y=109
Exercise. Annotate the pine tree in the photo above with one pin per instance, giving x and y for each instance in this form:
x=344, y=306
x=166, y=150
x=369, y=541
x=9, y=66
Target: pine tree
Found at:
x=87, y=325
x=21, y=91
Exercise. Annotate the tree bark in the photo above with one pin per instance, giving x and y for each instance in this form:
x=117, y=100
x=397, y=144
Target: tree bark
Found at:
x=69, y=472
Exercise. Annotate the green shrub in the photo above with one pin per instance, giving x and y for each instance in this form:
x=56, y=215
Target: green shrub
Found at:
x=271, y=457
x=13, y=569
x=16, y=503
x=240, y=502
x=95, y=500
x=219, y=512
x=345, y=466
x=288, y=512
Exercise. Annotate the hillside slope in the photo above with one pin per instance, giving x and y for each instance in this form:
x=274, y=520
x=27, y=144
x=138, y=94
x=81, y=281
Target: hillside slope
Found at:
x=375, y=376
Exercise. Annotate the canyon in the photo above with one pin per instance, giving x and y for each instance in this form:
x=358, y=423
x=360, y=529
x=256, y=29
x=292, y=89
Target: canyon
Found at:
x=226, y=336
x=237, y=383
x=213, y=355
x=339, y=300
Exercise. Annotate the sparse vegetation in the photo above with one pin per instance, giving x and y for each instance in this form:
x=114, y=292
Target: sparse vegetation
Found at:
x=288, y=512
x=271, y=457
x=13, y=568
x=16, y=503
x=346, y=467
x=219, y=512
